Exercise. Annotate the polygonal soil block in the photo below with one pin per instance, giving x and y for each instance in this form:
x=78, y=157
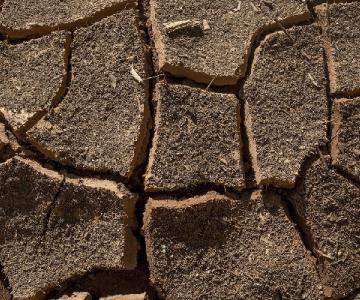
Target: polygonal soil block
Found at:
x=20, y=19
x=214, y=247
x=33, y=78
x=101, y=125
x=211, y=40
x=286, y=108
x=345, y=142
x=57, y=228
x=341, y=27
x=328, y=206
x=197, y=140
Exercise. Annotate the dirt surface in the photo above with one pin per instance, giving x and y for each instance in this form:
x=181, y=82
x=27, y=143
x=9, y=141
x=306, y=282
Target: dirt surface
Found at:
x=20, y=19
x=33, y=78
x=197, y=140
x=213, y=247
x=218, y=48
x=341, y=24
x=57, y=228
x=329, y=207
x=286, y=104
x=179, y=149
x=101, y=123
x=345, y=147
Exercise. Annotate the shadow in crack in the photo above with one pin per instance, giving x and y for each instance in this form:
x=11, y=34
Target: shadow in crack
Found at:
x=103, y=283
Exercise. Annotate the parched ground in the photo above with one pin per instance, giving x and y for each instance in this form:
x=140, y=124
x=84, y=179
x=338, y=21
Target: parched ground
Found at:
x=179, y=149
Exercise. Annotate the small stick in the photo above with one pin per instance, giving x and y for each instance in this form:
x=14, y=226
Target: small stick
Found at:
x=211, y=82
x=238, y=7
x=136, y=76
x=322, y=157
x=152, y=77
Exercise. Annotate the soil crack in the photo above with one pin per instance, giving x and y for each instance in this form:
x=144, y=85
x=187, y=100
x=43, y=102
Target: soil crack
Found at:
x=51, y=208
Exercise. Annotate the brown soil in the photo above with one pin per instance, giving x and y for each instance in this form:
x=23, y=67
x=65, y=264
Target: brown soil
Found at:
x=345, y=146
x=57, y=227
x=92, y=128
x=216, y=247
x=179, y=149
x=342, y=40
x=196, y=141
x=286, y=109
x=327, y=205
x=33, y=78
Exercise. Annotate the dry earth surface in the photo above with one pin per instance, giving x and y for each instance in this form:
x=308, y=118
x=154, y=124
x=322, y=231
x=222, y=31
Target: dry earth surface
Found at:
x=179, y=149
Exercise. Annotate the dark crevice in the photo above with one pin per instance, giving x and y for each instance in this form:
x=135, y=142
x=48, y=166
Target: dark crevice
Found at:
x=352, y=295
x=103, y=283
x=60, y=95
x=294, y=214
x=5, y=281
x=328, y=96
x=18, y=36
x=347, y=175
x=304, y=233
x=194, y=191
x=137, y=176
x=250, y=179
x=51, y=207
x=68, y=69
x=347, y=95
x=310, y=5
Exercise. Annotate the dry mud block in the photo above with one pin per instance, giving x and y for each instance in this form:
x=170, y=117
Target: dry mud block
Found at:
x=203, y=40
x=20, y=19
x=341, y=25
x=329, y=208
x=213, y=247
x=33, y=77
x=286, y=104
x=345, y=146
x=197, y=140
x=101, y=124
x=56, y=228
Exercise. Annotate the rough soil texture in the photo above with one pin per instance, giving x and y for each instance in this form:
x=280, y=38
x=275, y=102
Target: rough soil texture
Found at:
x=179, y=149
x=286, y=104
x=33, y=78
x=214, y=247
x=341, y=24
x=216, y=41
x=101, y=123
x=329, y=207
x=197, y=140
x=57, y=228
x=20, y=19
x=345, y=146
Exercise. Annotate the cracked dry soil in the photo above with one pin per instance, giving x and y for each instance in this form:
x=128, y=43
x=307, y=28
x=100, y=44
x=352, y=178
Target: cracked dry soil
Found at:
x=179, y=149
